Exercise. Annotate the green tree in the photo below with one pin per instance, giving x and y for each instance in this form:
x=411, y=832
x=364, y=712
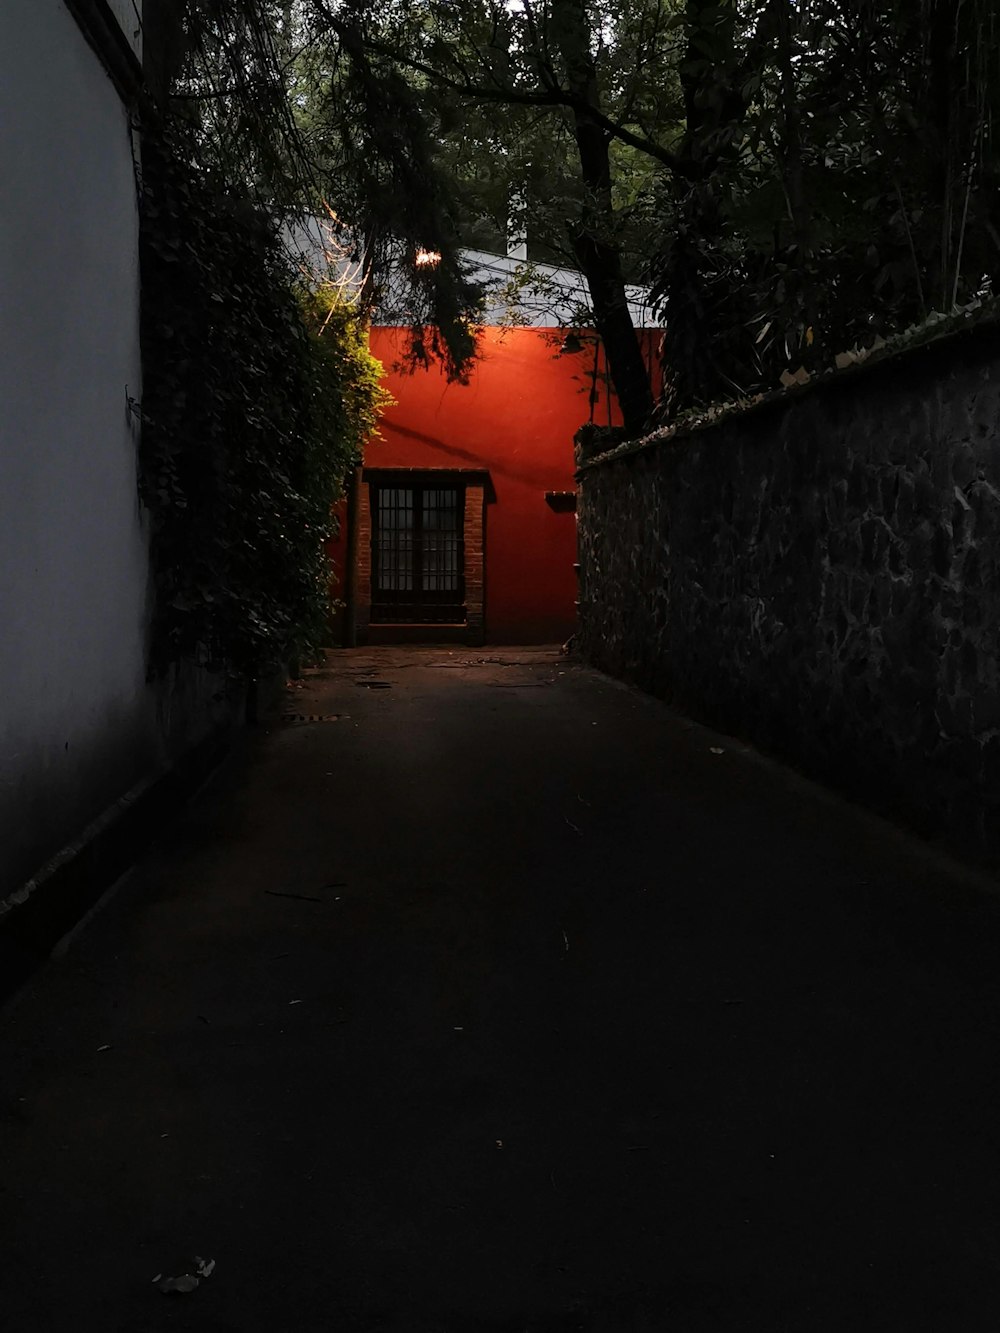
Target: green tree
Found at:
x=563, y=93
x=390, y=112
x=846, y=183
x=794, y=175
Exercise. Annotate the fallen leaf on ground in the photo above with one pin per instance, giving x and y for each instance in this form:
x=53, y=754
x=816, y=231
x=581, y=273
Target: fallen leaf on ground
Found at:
x=187, y=1282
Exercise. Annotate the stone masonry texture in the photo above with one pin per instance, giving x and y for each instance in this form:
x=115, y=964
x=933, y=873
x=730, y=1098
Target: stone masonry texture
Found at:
x=821, y=576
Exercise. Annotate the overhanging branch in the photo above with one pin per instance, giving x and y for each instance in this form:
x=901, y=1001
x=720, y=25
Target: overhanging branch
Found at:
x=552, y=96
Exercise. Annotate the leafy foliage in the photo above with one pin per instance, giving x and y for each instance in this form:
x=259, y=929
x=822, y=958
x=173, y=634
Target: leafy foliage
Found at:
x=844, y=183
x=292, y=103
x=412, y=119
x=256, y=403
x=792, y=176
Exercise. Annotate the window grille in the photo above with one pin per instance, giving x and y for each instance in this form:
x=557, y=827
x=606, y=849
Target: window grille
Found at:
x=418, y=555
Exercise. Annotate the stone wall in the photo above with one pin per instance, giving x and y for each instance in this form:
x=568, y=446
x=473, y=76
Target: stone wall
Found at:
x=821, y=575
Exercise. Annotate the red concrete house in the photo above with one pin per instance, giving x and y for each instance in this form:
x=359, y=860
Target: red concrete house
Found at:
x=461, y=526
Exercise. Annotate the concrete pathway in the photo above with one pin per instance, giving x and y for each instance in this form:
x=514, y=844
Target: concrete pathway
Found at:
x=509, y=1002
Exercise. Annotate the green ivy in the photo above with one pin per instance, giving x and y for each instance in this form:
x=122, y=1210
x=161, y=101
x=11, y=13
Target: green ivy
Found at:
x=258, y=397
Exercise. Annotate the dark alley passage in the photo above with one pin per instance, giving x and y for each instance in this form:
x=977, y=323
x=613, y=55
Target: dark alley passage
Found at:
x=484, y=995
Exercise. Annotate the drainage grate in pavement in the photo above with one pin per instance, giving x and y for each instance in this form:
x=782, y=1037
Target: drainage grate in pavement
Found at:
x=374, y=684
x=518, y=684
x=291, y=719
x=543, y=660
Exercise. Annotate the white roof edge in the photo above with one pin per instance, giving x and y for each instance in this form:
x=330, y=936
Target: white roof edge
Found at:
x=549, y=296
x=574, y=293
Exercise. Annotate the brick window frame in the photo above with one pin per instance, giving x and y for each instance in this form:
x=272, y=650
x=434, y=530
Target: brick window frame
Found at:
x=478, y=490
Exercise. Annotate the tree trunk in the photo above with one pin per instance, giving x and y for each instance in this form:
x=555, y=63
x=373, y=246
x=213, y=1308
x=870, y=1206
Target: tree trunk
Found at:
x=600, y=264
x=695, y=352
x=713, y=100
x=942, y=23
x=163, y=46
x=791, y=132
x=592, y=236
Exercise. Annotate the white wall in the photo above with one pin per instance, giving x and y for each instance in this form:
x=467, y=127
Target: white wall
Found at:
x=76, y=727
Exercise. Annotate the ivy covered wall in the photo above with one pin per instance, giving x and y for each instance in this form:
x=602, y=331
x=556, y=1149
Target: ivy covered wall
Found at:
x=258, y=396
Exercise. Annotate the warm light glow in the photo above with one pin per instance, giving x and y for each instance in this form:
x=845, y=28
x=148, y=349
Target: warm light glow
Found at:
x=427, y=258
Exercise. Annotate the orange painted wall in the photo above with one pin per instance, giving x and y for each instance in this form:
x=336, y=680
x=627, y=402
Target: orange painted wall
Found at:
x=516, y=417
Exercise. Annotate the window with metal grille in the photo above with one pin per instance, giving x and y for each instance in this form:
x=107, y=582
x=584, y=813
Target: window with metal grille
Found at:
x=418, y=556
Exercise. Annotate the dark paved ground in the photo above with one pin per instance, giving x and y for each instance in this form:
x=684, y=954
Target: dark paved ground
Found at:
x=505, y=1003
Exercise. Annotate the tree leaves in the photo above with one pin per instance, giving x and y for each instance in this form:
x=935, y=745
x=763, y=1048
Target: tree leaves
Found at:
x=857, y=190
x=758, y=148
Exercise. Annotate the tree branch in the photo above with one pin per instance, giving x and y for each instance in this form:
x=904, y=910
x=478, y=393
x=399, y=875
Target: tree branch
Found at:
x=555, y=96
x=540, y=97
